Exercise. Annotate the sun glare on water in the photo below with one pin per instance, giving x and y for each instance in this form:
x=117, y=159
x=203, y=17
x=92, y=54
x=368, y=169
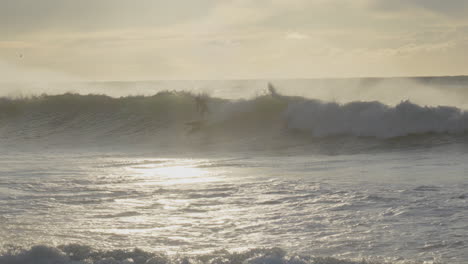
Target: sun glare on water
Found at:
x=155, y=177
x=172, y=172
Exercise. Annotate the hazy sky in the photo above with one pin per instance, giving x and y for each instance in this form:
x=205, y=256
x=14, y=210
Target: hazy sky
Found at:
x=213, y=39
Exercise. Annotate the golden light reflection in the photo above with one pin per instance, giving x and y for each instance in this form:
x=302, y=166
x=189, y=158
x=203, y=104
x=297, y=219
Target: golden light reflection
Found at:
x=173, y=172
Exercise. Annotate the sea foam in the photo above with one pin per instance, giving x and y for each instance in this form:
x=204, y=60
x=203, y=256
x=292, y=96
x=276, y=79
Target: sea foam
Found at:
x=81, y=254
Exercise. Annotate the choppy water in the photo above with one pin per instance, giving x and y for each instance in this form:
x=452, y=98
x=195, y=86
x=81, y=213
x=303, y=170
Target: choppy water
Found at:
x=280, y=179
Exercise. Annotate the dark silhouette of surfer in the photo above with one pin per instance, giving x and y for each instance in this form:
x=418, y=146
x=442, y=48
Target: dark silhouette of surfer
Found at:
x=201, y=106
x=272, y=90
x=274, y=94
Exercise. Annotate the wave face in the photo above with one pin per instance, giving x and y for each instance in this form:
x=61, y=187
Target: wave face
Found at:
x=165, y=118
x=81, y=254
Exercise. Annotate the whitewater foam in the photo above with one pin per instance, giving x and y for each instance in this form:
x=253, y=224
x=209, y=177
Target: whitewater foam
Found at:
x=82, y=254
x=374, y=119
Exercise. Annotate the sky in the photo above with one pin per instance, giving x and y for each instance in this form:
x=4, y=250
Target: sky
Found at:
x=233, y=39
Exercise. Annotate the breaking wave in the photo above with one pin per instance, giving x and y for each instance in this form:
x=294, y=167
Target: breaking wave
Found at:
x=81, y=254
x=166, y=117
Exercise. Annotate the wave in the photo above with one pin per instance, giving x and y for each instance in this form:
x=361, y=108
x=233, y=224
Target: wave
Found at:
x=82, y=254
x=167, y=116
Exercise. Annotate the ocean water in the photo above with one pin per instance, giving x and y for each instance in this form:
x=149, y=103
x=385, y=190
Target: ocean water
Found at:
x=319, y=171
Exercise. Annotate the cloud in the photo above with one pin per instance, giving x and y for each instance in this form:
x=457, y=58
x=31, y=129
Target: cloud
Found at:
x=159, y=39
x=452, y=9
x=296, y=35
x=26, y=16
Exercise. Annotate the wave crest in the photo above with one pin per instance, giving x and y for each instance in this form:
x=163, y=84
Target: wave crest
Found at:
x=166, y=116
x=374, y=119
x=81, y=254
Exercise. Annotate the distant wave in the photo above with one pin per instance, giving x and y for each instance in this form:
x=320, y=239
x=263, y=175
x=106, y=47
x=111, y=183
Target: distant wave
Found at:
x=81, y=254
x=374, y=119
x=166, y=115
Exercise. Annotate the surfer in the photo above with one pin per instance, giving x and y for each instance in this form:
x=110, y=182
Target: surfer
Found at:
x=202, y=106
x=202, y=109
x=272, y=90
x=274, y=94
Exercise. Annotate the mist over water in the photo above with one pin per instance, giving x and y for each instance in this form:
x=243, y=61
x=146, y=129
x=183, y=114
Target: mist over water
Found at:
x=432, y=91
x=318, y=171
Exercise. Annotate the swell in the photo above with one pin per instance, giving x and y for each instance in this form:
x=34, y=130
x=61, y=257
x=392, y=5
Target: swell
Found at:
x=165, y=117
x=82, y=254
